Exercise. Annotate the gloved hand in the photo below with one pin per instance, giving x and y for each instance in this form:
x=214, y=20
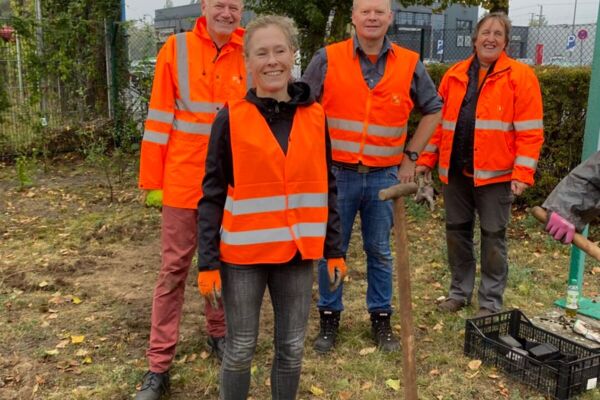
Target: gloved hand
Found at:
x=154, y=198
x=336, y=268
x=559, y=228
x=209, y=286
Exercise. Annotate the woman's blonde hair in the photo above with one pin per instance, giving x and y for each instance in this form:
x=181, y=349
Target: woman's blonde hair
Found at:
x=500, y=17
x=285, y=24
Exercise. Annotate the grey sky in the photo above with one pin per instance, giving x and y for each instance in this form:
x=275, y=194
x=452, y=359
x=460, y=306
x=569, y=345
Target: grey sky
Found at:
x=555, y=11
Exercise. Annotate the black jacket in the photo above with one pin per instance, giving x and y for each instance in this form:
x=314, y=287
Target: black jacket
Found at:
x=219, y=173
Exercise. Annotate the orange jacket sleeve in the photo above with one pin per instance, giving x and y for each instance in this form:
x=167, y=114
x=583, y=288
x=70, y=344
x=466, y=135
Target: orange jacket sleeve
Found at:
x=160, y=119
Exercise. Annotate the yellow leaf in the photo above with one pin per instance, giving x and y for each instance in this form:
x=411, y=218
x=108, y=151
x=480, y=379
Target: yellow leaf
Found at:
x=253, y=370
x=316, y=390
x=367, y=350
x=474, y=365
x=43, y=284
x=87, y=360
x=81, y=353
x=393, y=384
x=76, y=339
x=76, y=300
x=52, y=352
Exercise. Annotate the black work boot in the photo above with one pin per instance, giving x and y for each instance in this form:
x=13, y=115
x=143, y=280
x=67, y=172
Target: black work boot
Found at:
x=154, y=386
x=217, y=346
x=330, y=322
x=382, y=332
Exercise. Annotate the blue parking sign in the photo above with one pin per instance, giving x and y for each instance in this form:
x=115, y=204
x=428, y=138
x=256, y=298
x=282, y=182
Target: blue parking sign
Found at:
x=571, y=41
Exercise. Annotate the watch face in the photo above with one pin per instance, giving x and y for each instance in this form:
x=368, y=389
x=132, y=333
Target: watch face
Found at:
x=412, y=155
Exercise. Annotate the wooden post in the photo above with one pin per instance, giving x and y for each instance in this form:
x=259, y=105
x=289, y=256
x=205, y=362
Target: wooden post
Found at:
x=404, y=294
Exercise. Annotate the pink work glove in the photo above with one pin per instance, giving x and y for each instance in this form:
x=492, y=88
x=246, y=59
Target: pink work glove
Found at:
x=560, y=228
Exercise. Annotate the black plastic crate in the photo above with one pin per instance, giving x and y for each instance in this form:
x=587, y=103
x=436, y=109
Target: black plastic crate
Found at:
x=559, y=379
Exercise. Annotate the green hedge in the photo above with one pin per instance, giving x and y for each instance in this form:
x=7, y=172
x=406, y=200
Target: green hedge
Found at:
x=565, y=95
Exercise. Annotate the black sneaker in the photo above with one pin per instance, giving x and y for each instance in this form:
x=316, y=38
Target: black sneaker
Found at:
x=330, y=322
x=217, y=345
x=382, y=332
x=154, y=386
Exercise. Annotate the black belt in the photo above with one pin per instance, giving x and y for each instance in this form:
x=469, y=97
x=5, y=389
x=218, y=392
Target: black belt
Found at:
x=360, y=168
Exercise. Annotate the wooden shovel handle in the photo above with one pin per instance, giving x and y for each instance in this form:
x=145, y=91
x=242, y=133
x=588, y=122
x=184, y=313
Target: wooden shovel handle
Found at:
x=578, y=240
x=399, y=190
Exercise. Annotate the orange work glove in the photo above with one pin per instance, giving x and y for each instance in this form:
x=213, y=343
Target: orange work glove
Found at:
x=209, y=286
x=336, y=267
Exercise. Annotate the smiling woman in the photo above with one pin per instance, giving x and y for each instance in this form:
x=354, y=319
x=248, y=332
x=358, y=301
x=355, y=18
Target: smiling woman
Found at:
x=486, y=148
x=265, y=215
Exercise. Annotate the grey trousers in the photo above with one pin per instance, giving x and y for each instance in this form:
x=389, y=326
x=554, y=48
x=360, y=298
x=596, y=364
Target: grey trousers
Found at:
x=492, y=203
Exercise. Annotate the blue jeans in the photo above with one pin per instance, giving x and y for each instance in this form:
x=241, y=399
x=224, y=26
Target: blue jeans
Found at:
x=243, y=288
x=358, y=192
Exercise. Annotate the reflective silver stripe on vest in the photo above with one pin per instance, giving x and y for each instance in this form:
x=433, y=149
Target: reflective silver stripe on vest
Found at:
x=382, y=151
x=356, y=126
x=530, y=124
x=275, y=203
x=482, y=174
x=197, y=106
x=386, y=131
x=308, y=200
x=160, y=116
x=345, y=124
x=344, y=145
x=258, y=205
x=256, y=236
x=183, y=77
x=309, y=229
x=491, y=124
x=448, y=125
x=432, y=148
x=196, y=128
x=443, y=171
x=183, y=69
x=156, y=137
x=273, y=235
x=526, y=162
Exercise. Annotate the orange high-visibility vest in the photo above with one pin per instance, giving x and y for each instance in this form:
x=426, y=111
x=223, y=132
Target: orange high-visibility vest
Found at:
x=367, y=125
x=192, y=81
x=509, y=126
x=279, y=204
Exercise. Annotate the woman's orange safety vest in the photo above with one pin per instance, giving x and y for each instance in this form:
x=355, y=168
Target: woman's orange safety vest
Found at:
x=509, y=126
x=279, y=204
x=192, y=81
x=367, y=125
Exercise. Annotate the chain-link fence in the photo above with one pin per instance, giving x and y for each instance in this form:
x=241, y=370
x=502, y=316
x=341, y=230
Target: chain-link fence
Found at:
x=563, y=45
x=41, y=93
x=47, y=88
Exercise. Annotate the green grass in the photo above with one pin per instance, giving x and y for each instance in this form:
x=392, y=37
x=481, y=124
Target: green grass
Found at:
x=67, y=234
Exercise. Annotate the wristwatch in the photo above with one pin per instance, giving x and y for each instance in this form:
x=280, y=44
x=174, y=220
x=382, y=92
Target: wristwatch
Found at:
x=412, y=155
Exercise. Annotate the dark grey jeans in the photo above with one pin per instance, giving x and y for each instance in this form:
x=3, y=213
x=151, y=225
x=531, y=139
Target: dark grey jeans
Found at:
x=243, y=287
x=492, y=203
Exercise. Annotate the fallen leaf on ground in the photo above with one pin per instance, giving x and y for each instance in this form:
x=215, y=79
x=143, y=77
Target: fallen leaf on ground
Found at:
x=345, y=395
x=87, y=360
x=393, y=384
x=474, y=365
x=367, y=350
x=76, y=339
x=434, y=372
x=204, y=355
x=52, y=352
x=316, y=390
x=62, y=344
x=493, y=376
x=82, y=353
x=366, y=386
x=43, y=284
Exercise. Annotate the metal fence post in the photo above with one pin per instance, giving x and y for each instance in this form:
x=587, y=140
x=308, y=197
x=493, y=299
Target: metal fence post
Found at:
x=591, y=144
